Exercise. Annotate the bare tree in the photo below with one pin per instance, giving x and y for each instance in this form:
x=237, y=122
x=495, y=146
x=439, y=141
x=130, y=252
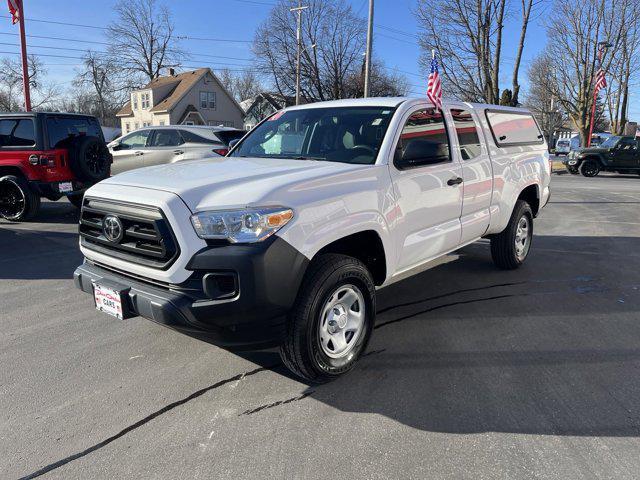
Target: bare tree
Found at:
x=43, y=93
x=242, y=85
x=624, y=65
x=382, y=84
x=330, y=70
x=468, y=35
x=545, y=107
x=142, y=41
x=575, y=34
x=99, y=78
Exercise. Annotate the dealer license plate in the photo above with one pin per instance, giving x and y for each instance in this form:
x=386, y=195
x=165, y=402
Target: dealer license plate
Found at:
x=108, y=301
x=64, y=187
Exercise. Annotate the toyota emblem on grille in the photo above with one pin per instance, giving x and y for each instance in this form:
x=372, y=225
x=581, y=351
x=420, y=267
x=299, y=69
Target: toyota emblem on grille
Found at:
x=112, y=228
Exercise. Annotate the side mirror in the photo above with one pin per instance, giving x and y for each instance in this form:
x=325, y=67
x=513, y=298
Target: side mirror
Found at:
x=115, y=145
x=418, y=153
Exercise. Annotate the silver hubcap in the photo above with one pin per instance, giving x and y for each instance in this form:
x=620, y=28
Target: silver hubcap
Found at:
x=523, y=237
x=342, y=321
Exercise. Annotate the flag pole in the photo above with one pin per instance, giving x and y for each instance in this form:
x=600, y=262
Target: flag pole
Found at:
x=25, y=61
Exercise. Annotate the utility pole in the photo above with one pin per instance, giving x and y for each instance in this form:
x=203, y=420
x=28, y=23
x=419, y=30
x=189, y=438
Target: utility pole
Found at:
x=367, y=68
x=16, y=8
x=298, y=10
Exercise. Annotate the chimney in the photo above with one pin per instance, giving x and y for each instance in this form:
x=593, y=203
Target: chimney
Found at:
x=172, y=71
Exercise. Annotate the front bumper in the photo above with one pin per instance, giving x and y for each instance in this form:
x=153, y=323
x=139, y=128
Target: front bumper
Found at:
x=267, y=275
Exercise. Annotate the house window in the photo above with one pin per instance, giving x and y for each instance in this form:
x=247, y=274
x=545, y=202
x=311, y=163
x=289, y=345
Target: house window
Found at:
x=136, y=126
x=146, y=124
x=134, y=101
x=208, y=100
x=127, y=127
x=161, y=123
x=144, y=103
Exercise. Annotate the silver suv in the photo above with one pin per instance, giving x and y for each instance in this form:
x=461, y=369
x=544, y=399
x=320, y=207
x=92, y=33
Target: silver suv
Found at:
x=168, y=144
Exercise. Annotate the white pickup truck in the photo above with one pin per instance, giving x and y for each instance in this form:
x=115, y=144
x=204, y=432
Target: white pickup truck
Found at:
x=285, y=241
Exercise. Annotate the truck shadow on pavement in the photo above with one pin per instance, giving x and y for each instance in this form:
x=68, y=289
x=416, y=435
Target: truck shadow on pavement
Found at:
x=550, y=349
x=37, y=254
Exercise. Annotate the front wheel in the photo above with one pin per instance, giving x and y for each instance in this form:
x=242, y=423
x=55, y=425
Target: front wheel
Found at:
x=509, y=248
x=589, y=168
x=18, y=203
x=331, y=322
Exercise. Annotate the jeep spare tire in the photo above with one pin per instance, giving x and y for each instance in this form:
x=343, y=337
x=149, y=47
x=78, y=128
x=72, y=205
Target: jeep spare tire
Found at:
x=89, y=158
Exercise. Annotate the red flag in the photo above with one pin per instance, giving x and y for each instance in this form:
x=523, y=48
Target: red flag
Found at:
x=14, y=9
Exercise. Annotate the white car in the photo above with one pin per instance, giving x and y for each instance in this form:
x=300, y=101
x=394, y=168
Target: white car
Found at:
x=563, y=147
x=286, y=240
x=169, y=144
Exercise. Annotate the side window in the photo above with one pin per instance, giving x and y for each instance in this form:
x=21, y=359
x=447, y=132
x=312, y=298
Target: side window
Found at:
x=135, y=140
x=467, y=134
x=166, y=138
x=194, y=138
x=17, y=133
x=513, y=128
x=423, y=140
x=628, y=144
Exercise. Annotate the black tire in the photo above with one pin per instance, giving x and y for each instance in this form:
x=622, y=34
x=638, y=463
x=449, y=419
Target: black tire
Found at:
x=76, y=200
x=89, y=158
x=589, y=168
x=503, y=245
x=572, y=170
x=18, y=203
x=302, y=350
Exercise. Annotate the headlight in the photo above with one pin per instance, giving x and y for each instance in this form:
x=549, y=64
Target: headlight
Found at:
x=241, y=226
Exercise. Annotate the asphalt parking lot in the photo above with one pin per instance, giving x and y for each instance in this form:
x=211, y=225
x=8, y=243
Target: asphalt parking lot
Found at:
x=472, y=372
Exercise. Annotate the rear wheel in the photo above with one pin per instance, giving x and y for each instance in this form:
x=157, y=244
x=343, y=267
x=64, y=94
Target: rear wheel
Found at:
x=332, y=320
x=18, y=202
x=510, y=248
x=589, y=168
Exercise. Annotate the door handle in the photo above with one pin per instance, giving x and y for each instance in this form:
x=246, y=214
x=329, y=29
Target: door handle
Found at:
x=178, y=152
x=137, y=154
x=454, y=181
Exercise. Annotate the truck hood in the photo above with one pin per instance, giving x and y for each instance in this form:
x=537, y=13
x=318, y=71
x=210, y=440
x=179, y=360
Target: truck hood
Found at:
x=230, y=182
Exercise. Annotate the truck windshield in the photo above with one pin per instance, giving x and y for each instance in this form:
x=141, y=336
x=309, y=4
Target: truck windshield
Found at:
x=342, y=134
x=610, y=142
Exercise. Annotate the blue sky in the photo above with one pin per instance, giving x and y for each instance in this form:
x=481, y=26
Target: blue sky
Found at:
x=231, y=20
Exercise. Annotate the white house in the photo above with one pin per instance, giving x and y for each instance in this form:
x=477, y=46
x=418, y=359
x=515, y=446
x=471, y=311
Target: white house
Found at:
x=189, y=98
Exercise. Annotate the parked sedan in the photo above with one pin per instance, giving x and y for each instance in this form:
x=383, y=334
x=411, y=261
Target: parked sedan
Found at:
x=168, y=144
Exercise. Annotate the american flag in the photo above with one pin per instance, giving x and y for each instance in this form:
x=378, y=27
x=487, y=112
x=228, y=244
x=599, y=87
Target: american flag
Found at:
x=14, y=9
x=434, y=88
x=601, y=81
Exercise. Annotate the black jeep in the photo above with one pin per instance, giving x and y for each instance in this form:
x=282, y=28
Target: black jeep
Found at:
x=616, y=154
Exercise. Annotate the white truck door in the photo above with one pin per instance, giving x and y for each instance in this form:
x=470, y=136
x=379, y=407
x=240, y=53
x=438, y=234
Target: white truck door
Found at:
x=428, y=190
x=470, y=148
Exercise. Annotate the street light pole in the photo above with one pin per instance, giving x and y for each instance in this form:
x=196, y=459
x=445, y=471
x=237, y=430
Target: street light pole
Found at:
x=298, y=10
x=367, y=68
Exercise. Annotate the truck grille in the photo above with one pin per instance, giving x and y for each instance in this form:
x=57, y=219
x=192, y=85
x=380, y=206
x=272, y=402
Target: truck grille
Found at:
x=138, y=234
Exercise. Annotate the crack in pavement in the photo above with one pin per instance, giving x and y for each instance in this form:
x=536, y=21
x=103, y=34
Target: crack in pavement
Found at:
x=143, y=421
x=276, y=404
x=298, y=397
x=477, y=289
x=462, y=302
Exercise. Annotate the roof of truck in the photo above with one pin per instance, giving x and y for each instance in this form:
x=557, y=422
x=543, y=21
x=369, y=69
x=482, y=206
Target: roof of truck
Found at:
x=393, y=102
